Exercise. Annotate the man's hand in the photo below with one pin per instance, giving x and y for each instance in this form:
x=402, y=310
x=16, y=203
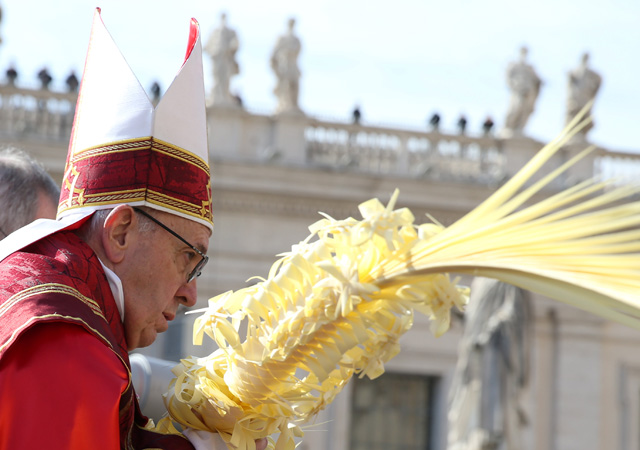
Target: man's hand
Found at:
x=261, y=444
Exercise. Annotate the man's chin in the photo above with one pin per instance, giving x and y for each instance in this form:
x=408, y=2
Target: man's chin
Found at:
x=145, y=339
x=164, y=326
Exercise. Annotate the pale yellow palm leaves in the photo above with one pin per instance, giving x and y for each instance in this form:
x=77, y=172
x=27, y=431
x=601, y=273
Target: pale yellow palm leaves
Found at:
x=336, y=304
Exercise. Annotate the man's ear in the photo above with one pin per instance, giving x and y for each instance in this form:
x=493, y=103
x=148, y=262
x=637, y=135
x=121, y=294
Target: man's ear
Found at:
x=118, y=232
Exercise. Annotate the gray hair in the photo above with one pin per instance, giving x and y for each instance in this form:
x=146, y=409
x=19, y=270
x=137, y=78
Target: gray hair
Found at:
x=22, y=179
x=96, y=222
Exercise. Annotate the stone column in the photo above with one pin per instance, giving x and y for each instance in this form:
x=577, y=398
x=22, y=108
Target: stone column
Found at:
x=226, y=127
x=581, y=170
x=288, y=139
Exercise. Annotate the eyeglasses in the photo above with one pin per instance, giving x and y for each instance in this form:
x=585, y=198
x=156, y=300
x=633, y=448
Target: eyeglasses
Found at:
x=197, y=270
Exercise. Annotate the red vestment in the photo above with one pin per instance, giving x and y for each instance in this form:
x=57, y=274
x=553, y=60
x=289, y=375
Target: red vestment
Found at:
x=65, y=376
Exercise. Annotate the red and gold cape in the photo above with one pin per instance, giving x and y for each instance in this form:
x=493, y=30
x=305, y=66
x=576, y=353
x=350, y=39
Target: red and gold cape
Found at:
x=65, y=376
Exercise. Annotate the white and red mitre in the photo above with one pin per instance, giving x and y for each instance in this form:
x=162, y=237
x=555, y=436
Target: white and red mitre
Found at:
x=125, y=150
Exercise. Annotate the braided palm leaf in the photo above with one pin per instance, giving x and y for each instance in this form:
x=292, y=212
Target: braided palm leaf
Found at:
x=336, y=305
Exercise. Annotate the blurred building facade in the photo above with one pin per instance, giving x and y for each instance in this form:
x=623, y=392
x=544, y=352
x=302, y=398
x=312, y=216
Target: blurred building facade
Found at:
x=273, y=173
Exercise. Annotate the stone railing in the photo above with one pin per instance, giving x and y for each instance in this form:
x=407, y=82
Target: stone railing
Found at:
x=47, y=116
x=440, y=156
x=624, y=167
x=37, y=114
x=403, y=152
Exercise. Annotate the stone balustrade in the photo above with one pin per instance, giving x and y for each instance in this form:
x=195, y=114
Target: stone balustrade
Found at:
x=42, y=115
x=388, y=151
x=448, y=157
x=36, y=114
x=624, y=167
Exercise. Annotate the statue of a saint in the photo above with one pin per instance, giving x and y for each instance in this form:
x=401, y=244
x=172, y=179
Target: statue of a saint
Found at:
x=485, y=410
x=222, y=46
x=524, y=84
x=284, y=62
x=583, y=86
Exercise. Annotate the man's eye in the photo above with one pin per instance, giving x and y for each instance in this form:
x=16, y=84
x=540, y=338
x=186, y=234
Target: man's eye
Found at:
x=189, y=258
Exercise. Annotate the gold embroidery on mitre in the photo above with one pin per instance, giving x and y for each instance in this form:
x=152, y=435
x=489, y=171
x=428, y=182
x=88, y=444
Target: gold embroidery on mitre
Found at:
x=79, y=197
x=127, y=145
x=178, y=205
x=107, y=198
x=179, y=153
x=110, y=198
x=73, y=174
x=205, y=211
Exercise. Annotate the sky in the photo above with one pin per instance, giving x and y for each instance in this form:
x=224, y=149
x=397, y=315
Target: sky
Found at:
x=400, y=61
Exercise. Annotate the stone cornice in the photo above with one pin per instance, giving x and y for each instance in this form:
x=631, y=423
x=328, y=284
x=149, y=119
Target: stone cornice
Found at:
x=304, y=192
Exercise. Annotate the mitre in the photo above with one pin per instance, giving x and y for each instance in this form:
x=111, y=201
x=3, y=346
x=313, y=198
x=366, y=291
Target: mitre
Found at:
x=126, y=150
x=123, y=149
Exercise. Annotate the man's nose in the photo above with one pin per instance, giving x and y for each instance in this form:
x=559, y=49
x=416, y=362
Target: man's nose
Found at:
x=188, y=293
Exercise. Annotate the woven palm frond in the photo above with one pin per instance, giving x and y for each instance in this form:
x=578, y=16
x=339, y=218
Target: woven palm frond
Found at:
x=336, y=305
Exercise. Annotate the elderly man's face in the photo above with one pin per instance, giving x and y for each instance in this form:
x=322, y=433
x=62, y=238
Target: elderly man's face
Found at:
x=155, y=279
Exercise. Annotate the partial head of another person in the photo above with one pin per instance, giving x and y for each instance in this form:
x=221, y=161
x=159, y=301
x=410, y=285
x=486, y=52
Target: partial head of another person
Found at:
x=27, y=191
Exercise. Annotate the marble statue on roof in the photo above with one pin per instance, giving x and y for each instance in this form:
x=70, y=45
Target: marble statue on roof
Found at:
x=524, y=84
x=222, y=46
